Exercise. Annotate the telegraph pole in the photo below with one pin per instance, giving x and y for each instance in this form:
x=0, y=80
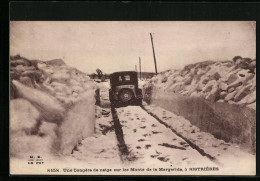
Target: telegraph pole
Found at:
x=140, y=68
x=153, y=54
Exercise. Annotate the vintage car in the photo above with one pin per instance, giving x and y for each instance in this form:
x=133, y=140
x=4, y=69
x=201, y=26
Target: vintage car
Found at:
x=124, y=89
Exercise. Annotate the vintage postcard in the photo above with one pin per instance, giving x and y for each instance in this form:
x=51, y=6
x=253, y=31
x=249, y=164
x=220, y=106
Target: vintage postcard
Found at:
x=133, y=97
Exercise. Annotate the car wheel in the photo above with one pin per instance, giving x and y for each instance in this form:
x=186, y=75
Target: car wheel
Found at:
x=125, y=95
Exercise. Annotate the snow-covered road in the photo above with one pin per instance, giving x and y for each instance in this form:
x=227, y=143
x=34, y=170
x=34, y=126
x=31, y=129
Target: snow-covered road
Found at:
x=153, y=144
x=156, y=138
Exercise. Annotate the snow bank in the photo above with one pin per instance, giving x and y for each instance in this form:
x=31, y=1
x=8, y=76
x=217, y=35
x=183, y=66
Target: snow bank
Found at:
x=49, y=107
x=53, y=113
x=24, y=127
x=23, y=114
x=214, y=81
x=218, y=97
x=23, y=145
x=78, y=123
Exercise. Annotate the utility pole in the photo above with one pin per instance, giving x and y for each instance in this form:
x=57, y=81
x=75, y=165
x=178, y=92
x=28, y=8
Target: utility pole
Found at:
x=153, y=54
x=135, y=68
x=140, y=68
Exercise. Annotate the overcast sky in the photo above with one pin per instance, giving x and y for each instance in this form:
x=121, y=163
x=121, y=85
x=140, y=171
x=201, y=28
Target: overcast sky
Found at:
x=116, y=46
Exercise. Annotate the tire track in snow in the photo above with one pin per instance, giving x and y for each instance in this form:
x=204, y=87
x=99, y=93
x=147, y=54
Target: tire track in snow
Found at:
x=119, y=133
x=125, y=155
x=194, y=146
x=124, y=149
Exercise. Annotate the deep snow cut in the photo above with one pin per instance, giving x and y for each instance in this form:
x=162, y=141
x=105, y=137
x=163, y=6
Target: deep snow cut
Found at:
x=218, y=97
x=52, y=107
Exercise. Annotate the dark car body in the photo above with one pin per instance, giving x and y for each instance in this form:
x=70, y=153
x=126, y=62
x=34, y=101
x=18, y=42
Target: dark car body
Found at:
x=124, y=89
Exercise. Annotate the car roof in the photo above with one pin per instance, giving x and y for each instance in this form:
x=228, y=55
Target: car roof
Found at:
x=123, y=72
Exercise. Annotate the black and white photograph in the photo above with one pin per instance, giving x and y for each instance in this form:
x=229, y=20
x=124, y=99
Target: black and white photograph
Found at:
x=132, y=97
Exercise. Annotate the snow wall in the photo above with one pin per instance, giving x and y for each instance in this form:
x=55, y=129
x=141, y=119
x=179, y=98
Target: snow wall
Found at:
x=52, y=107
x=231, y=117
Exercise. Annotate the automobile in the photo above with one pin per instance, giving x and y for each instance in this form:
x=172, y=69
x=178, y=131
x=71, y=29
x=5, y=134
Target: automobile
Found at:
x=124, y=89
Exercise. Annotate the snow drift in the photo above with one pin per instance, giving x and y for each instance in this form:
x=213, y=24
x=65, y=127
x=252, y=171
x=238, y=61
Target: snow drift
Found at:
x=218, y=97
x=52, y=107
